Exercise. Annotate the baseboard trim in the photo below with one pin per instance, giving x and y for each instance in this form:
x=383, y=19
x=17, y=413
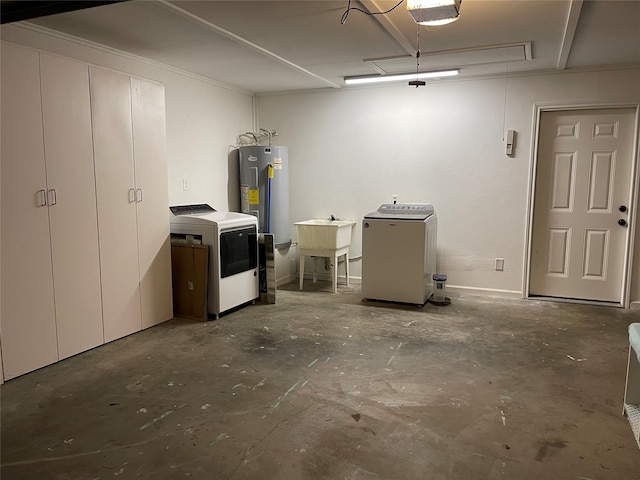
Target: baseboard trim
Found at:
x=285, y=279
x=491, y=292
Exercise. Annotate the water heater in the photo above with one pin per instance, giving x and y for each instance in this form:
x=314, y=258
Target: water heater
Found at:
x=264, y=189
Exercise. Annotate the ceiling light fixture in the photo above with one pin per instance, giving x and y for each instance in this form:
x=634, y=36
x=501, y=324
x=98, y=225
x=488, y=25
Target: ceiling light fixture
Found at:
x=395, y=78
x=434, y=12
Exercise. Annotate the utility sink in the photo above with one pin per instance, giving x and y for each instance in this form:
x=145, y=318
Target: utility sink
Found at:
x=325, y=238
x=320, y=234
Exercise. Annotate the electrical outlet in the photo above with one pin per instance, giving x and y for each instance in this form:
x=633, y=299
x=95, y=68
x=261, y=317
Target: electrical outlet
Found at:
x=499, y=266
x=185, y=184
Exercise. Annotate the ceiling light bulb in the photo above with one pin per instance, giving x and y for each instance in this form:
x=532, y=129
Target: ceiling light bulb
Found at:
x=398, y=77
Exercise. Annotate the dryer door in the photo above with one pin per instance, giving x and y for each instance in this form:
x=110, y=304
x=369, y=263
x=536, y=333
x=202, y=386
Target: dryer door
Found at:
x=238, y=251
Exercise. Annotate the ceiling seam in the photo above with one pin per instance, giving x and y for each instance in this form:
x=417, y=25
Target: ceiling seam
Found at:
x=388, y=26
x=570, y=27
x=246, y=43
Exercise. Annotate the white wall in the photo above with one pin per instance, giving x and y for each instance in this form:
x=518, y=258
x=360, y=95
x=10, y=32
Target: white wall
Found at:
x=203, y=119
x=351, y=149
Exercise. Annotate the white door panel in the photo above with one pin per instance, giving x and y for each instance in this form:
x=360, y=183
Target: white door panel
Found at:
x=74, y=228
x=596, y=253
x=563, y=181
x=583, y=176
x=28, y=316
x=148, y=111
x=559, y=241
x=115, y=185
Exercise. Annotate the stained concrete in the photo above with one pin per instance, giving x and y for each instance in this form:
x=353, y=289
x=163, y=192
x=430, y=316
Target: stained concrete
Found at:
x=323, y=386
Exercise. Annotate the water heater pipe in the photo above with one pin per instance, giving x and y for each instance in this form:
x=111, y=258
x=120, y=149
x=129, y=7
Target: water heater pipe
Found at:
x=270, y=172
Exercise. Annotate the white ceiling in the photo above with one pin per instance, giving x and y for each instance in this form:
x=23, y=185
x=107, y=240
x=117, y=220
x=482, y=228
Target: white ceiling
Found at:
x=270, y=46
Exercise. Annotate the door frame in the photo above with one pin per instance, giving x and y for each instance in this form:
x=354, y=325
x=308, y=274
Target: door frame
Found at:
x=538, y=109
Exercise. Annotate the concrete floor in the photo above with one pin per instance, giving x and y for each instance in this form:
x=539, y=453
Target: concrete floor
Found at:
x=323, y=386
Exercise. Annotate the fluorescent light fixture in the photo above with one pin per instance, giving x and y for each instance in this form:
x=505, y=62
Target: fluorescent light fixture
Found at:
x=401, y=76
x=434, y=12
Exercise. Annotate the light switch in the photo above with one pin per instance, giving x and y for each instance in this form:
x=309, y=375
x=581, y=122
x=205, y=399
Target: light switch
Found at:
x=509, y=141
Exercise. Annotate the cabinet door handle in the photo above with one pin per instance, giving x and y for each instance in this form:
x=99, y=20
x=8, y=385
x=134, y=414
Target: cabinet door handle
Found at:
x=42, y=198
x=139, y=195
x=53, y=197
x=132, y=195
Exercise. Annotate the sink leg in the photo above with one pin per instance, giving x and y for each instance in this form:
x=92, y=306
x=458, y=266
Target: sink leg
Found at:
x=301, y=270
x=346, y=266
x=315, y=274
x=334, y=274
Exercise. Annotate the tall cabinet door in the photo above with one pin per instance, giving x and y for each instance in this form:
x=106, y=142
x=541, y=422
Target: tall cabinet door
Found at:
x=152, y=195
x=28, y=317
x=115, y=188
x=74, y=224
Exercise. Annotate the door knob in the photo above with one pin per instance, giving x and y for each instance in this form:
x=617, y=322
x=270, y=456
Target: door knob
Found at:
x=622, y=208
x=622, y=222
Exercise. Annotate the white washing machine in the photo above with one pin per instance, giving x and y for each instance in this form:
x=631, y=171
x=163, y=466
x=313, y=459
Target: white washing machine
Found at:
x=233, y=252
x=399, y=253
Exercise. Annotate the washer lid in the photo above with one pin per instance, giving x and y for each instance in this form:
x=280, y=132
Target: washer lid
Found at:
x=403, y=211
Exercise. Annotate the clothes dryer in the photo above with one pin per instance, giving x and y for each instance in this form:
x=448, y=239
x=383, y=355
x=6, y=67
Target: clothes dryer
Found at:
x=233, y=252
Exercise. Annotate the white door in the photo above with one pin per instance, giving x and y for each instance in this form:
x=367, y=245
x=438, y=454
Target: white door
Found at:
x=74, y=224
x=152, y=196
x=115, y=187
x=581, y=204
x=28, y=316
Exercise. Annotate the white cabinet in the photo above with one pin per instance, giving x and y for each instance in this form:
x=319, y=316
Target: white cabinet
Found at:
x=132, y=192
x=152, y=183
x=73, y=218
x=51, y=303
x=115, y=185
x=28, y=313
x=84, y=199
